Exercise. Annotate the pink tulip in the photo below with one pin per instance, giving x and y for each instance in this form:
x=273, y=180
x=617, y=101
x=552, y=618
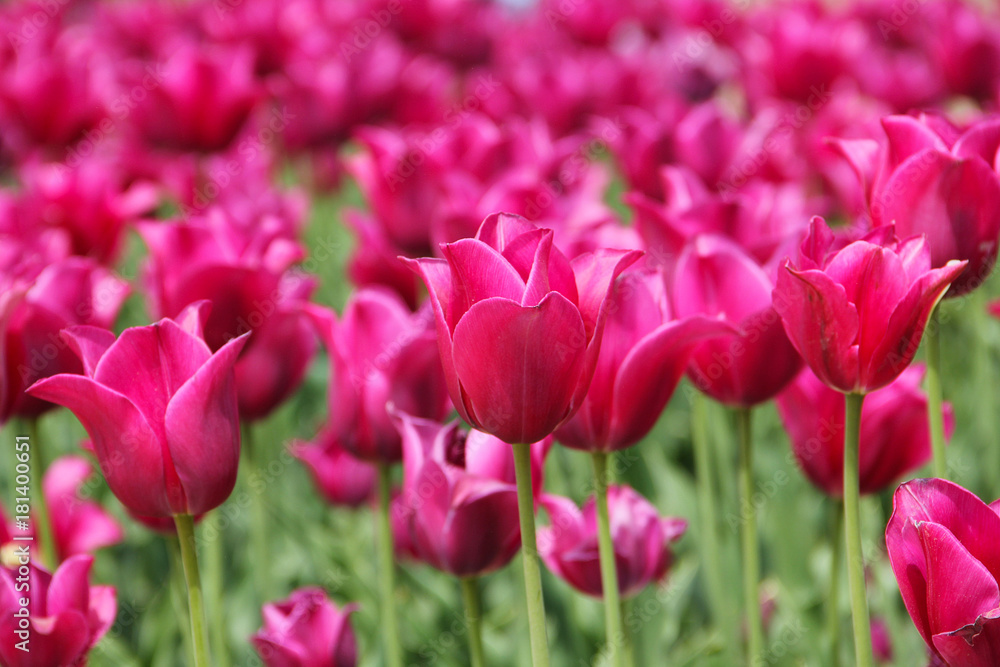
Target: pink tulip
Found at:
x=49, y=90
x=714, y=277
x=340, y=477
x=198, y=99
x=641, y=538
x=89, y=202
x=79, y=526
x=642, y=358
x=37, y=302
x=702, y=138
x=460, y=497
x=381, y=354
x=246, y=273
x=519, y=326
x=944, y=547
x=857, y=315
x=161, y=411
x=764, y=219
x=930, y=178
x=895, y=434
x=307, y=630
x=65, y=615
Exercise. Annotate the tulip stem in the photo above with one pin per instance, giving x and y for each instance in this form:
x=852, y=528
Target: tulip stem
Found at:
x=213, y=591
x=751, y=555
x=709, y=514
x=196, y=603
x=387, y=570
x=615, y=635
x=50, y=558
x=474, y=620
x=628, y=650
x=833, y=600
x=932, y=335
x=529, y=552
x=852, y=525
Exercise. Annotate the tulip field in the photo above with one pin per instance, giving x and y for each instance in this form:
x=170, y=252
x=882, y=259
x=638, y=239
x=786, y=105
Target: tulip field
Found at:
x=527, y=333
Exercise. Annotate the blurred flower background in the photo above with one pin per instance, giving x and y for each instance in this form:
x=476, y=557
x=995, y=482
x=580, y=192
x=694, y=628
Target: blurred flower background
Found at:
x=277, y=157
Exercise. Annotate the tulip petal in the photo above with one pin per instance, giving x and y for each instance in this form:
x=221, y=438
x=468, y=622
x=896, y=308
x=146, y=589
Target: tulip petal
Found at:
x=959, y=588
x=437, y=275
x=202, y=429
x=873, y=278
x=862, y=155
x=821, y=323
x=128, y=449
x=908, y=136
x=954, y=202
x=149, y=364
x=70, y=586
x=975, y=645
x=480, y=272
x=980, y=140
x=714, y=276
x=650, y=373
x=901, y=336
x=89, y=343
x=482, y=533
x=103, y=610
x=517, y=374
x=971, y=520
x=596, y=273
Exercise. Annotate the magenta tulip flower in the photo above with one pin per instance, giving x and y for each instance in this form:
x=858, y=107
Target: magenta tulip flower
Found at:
x=944, y=547
x=307, y=630
x=79, y=526
x=34, y=307
x=642, y=358
x=930, y=178
x=460, y=495
x=245, y=271
x=90, y=202
x=519, y=326
x=63, y=618
x=895, y=433
x=641, y=538
x=715, y=277
x=857, y=315
x=200, y=99
x=381, y=354
x=161, y=410
x=341, y=478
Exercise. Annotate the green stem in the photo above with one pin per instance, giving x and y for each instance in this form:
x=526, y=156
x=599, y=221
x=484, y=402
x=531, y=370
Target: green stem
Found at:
x=214, y=591
x=628, y=649
x=609, y=574
x=387, y=570
x=529, y=551
x=474, y=618
x=751, y=555
x=852, y=525
x=196, y=604
x=50, y=558
x=932, y=334
x=259, y=545
x=833, y=599
x=709, y=514
x=178, y=595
